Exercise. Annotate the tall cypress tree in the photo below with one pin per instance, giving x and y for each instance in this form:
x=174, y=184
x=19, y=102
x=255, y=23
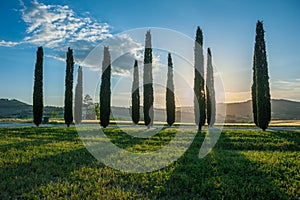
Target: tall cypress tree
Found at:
x=199, y=91
x=38, y=88
x=210, y=91
x=148, y=83
x=105, y=93
x=68, y=112
x=261, y=77
x=170, y=99
x=135, y=94
x=78, y=97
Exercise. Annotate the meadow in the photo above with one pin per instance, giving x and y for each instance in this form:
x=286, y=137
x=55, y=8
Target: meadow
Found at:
x=52, y=163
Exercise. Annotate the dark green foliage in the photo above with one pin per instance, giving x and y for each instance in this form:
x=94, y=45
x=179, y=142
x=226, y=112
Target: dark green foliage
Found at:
x=135, y=95
x=38, y=88
x=210, y=91
x=262, y=103
x=199, y=91
x=148, y=83
x=105, y=92
x=68, y=114
x=170, y=99
x=253, y=92
x=78, y=97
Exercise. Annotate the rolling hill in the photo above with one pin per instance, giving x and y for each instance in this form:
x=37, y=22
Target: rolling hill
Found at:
x=12, y=108
x=281, y=110
x=235, y=112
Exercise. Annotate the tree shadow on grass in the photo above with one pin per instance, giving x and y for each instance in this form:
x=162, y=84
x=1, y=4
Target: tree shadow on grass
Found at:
x=23, y=145
x=292, y=136
x=220, y=175
x=258, y=140
x=22, y=177
x=38, y=156
x=24, y=138
x=123, y=140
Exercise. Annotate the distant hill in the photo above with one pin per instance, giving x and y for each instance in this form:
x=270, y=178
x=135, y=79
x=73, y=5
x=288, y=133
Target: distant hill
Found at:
x=281, y=109
x=235, y=112
x=12, y=108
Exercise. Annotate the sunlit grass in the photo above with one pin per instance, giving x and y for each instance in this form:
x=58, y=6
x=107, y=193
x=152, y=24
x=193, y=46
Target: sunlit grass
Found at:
x=52, y=163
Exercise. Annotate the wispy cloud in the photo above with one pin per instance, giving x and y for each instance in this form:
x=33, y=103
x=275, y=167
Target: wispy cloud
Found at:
x=124, y=50
x=286, y=89
x=286, y=85
x=57, y=26
x=8, y=43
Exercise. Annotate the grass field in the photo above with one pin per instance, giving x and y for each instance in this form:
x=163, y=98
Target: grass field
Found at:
x=52, y=163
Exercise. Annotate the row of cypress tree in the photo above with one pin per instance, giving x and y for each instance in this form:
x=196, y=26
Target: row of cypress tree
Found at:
x=204, y=97
x=200, y=100
x=105, y=92
x=170, y=98
x=38, y=105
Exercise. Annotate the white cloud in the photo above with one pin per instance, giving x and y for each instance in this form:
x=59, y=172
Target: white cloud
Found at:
x=124, y=50
x=286, y=85
x=56, y=57
x=56, y=26
x=8, y=43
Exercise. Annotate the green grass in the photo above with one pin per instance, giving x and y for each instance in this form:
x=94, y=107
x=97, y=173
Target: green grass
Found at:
x=52, y=163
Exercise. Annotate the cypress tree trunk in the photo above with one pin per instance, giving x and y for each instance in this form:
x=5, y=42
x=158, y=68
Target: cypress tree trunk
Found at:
x=135, y=95
x=199, y=92
x=148, y=83
x=262, y=90
x=68, y=112
x=105, y=93
x=38, y=88
x=210, y=91
x=78, y=97
x=170, y=99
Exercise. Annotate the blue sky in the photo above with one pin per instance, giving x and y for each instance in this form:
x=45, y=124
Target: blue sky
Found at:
x=228, y=27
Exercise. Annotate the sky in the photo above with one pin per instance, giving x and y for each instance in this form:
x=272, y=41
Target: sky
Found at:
x=228, y=29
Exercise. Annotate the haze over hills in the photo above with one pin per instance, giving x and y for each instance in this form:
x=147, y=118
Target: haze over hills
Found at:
x=235, y=112
x=281, y=110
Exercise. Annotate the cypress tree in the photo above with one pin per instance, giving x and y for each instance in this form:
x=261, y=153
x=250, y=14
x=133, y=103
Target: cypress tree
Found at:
x=199, y=92
x=78, y=97
x=135, y=95
x=148, y=83
x=210, y=91
x=105, y=92
x=262, y=89
x=170, y=99
x=38, y=88
x=68, y=112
